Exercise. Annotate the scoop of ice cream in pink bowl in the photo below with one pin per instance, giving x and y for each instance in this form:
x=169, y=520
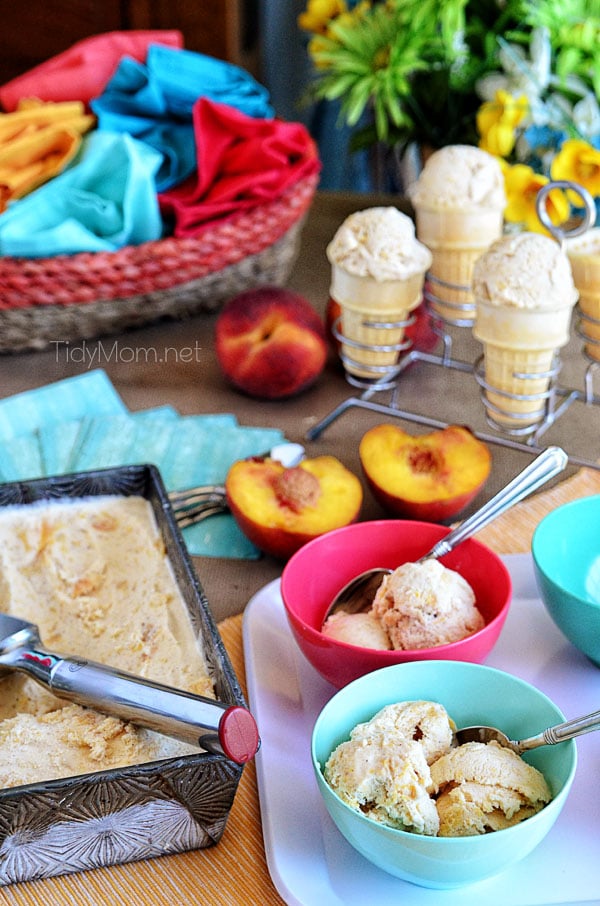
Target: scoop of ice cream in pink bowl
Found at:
x=313, y=576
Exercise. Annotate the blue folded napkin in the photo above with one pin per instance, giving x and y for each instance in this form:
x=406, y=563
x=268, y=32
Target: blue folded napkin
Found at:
x=105, y=200
x=154, y=102
x=82, y=423
x=184, y=76
x=91, y=393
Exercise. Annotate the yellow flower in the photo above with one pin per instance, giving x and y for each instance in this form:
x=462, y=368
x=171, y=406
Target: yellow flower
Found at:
x=316, y=46
x=579, y=162
x=353, y=16
x=318, y=14
x=522, y=185
x=497, y=122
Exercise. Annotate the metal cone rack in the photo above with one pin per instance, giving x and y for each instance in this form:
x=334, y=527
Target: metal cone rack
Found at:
x=520, y=431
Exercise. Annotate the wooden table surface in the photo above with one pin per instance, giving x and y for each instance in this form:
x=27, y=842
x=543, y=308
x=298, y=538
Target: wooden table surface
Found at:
x=192, y=382
x=236, y=870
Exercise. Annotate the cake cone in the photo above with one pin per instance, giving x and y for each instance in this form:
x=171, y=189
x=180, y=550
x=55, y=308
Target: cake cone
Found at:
x=456, y=239
x=584, y=255
x=373, y=317
x=377, y=274
x=520, y=353
x=589, y=307
x=519, y=397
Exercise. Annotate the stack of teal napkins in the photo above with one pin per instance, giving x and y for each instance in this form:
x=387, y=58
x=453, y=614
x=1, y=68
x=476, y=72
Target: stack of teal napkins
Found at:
x=82, y=423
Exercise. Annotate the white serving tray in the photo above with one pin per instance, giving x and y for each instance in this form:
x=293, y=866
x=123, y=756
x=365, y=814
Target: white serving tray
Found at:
x=311, y=864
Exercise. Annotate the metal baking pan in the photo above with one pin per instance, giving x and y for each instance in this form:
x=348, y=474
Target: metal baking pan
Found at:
x=110, y=817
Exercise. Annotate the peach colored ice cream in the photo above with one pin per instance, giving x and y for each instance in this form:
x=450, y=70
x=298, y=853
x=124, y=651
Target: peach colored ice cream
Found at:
x=400, y=769
x=525, y=271
x=459, y=177
x=524, y=297
x=419, y=605
x=459, y=203
x=485, y=787
x=378, y=243
x=362, y=629
x=94, y=577
x=377, y=272
x=383, y=769
x=422, y=605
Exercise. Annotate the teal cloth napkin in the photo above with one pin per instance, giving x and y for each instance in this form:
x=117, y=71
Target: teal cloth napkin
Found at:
x=81, y=423
x=91, y=393
x=183, y=76
x=153, y=101
x=105, y=200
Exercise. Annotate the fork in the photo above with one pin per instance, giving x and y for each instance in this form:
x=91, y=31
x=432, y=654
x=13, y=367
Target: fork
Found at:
x=192, y=505
x=195, y=504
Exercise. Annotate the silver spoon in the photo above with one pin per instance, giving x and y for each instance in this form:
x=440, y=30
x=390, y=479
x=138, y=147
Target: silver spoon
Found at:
x=559, y=733
x=358, y=593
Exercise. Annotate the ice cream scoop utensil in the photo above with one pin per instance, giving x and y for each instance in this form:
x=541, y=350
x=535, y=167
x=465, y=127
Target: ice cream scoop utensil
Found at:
x=219, y=728
x=550, y=737
x=358, y=594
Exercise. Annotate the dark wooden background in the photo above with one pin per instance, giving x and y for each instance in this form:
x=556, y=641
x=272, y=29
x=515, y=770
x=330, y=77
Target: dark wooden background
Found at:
x=40, y=29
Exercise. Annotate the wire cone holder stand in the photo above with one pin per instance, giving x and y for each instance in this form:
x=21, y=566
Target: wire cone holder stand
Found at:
x=383, y=374
x=520, y=416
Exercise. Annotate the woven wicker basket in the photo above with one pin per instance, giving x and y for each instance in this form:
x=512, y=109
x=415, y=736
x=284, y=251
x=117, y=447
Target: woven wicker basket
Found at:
x=87, y=295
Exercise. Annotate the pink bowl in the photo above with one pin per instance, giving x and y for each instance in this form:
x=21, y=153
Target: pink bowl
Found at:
x=314, y=574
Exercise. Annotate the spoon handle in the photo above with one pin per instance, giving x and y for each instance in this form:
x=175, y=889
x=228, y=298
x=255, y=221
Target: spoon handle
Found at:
x=545, y=466
x=568, y=730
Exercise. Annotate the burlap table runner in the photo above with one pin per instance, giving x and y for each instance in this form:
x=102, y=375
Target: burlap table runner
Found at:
x=235, y=871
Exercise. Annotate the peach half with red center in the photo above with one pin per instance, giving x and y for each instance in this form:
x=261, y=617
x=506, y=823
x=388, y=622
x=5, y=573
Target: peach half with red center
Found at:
x=270, y=342
x=430, y=476
x=279, y=509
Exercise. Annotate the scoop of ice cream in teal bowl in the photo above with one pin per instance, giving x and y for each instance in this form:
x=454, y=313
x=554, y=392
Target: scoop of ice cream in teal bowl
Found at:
x=566, y=557
x=472, y=694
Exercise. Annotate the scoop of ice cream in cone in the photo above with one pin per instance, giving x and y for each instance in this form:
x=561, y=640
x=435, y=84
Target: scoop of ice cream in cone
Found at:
x=459, y=203
x=584, y=255
x=524, y=296
x=377, y=272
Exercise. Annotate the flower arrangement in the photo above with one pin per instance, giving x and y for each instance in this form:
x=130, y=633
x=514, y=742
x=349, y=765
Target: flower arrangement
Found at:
x=541, y=117
x=520, y=78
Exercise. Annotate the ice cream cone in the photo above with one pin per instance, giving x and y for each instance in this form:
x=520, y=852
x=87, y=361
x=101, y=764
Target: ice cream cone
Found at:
x=377, y=274
x=456, y=239
x=584, y=255
x=519, y=345
x=519, y=397
x=524, y=298
x=373, y=318
x=459, y=202
x=589, y=325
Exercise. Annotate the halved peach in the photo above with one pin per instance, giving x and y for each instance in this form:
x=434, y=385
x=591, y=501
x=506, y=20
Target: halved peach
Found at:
x=280, y=509
x=430, y=476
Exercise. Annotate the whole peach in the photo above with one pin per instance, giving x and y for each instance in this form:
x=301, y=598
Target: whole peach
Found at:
x=270, y=342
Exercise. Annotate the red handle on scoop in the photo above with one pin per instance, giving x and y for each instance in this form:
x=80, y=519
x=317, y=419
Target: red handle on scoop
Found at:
x=238, y=734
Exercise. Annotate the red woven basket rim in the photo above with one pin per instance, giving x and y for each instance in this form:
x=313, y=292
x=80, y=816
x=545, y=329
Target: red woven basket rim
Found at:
x=163, y=264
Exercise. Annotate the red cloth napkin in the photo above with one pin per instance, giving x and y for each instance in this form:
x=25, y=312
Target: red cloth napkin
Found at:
x=81, y=72
x=242, y=161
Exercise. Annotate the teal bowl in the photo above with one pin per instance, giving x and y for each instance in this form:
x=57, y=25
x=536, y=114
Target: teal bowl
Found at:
x=472, y=694
x=566, y=559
